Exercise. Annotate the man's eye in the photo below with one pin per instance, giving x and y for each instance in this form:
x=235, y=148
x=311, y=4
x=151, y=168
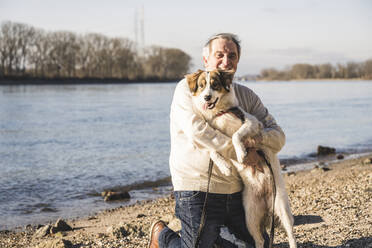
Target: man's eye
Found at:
x=232, y=56
x=219, y=55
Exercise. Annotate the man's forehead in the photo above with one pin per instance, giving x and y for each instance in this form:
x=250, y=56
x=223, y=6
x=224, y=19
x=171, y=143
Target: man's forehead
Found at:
x=223, y=45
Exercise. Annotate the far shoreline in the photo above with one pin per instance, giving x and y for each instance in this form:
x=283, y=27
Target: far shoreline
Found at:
x=79, y=81
x=15, y=81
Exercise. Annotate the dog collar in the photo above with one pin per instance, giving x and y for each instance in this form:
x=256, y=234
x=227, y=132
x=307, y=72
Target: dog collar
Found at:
x=221, y=113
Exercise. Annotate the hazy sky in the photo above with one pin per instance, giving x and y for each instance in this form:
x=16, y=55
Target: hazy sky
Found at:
x=274, y=33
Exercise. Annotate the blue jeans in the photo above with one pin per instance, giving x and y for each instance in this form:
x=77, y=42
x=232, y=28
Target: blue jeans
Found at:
x=222, y=210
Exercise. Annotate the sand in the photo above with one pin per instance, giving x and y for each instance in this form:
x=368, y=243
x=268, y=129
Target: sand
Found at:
x=332, y=208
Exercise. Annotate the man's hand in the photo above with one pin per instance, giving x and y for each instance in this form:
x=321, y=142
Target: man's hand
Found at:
x=254, y=141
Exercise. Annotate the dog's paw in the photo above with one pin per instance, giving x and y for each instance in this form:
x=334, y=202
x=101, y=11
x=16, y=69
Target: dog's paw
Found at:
x=252, y=125
x=239, y=166
x=222, y=164
x=240, y=154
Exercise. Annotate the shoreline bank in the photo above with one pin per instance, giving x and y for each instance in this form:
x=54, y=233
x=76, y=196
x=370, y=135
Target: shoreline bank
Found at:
x=332, y=208
x=141, y=191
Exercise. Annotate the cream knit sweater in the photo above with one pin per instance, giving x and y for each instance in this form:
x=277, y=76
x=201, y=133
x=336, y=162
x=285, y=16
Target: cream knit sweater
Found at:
x=192, y=138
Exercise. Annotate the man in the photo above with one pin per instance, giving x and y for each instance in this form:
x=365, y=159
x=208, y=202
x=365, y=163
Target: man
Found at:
x=191, y=139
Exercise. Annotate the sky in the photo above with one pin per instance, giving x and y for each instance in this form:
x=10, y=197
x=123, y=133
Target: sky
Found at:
x=273, y=33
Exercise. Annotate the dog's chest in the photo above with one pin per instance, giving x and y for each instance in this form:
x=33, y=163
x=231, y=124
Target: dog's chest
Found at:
x=227, y=123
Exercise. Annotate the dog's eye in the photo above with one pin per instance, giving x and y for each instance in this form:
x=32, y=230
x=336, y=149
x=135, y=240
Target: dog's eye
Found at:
x=215, y=86
x=202, y=84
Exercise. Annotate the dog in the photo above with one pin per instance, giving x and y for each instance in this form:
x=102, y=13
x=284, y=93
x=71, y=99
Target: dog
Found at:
x=264, y=192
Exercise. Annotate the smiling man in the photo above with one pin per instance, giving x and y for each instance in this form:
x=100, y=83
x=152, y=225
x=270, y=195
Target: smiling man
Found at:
x=221, y=53
x=191, y=140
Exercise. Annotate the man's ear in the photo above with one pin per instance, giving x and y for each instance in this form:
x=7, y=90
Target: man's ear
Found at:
x=227, y=77
x=192, y=80
x=205, y=56
x=205, y=62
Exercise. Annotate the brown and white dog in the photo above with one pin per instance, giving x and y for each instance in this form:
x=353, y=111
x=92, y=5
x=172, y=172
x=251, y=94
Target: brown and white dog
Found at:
x=214, y=100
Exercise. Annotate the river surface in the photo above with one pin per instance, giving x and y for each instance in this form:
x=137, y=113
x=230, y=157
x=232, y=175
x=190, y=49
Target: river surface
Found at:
x=61, y=145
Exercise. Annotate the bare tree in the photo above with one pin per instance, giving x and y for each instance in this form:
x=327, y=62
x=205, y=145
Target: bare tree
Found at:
x=26, y=40
x=16, y=39
x=124, y=58
x=167, y=63
x=270, y=74
x=62, y=56
x=352, y=70
x=176, y=63
x=98, y=63
x=25, y=50
x=325, y=71
x=340, y=71
x=153, y=62
x=9, y=49
x=301, y=71
x=367, y=69
x=39, y=53
x=3, y=53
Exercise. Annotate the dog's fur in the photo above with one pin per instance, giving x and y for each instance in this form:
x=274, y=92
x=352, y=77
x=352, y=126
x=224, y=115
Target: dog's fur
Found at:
x=214, y=99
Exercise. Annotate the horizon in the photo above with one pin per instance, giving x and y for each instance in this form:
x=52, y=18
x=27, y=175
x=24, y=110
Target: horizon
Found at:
x=272, y=34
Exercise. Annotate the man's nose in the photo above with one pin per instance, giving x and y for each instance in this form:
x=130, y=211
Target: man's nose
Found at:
x=225, y=61
x=207, y=97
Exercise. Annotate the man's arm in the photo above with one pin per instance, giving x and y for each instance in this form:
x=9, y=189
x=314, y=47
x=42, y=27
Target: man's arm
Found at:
x=272, y=136
x=183, y=118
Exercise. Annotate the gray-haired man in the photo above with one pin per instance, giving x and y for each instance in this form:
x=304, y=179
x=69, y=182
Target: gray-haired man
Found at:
x=191, y=139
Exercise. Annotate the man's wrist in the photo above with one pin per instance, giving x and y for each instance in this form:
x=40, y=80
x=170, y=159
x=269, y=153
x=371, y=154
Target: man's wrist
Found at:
x=258, y=138
x=254, y=141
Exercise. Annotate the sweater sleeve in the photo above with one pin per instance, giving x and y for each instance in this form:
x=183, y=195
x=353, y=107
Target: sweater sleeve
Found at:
x=196, y=129
x=272, y=134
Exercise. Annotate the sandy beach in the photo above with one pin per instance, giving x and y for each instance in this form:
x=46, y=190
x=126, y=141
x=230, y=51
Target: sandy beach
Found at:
x=332, y=208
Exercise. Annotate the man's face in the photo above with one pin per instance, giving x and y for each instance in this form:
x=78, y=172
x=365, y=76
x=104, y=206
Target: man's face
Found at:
x=223, y=55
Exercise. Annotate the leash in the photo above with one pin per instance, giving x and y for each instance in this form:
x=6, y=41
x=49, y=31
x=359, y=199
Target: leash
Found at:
x=262, y=154
x=204, y=211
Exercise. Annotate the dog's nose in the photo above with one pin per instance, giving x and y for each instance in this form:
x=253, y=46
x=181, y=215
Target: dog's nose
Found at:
x=207, y=97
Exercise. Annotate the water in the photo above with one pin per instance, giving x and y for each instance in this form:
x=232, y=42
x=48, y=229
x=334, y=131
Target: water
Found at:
x=60, y=146
x=337, y=114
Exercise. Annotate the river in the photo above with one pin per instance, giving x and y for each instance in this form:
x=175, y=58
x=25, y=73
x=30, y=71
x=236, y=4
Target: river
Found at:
x=61, y=145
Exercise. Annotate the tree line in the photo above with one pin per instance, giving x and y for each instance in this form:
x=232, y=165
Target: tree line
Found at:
x=29, y=52
x=323, y=71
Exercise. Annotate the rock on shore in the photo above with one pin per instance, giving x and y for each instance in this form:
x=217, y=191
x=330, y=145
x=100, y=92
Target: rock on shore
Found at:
x=332, y=208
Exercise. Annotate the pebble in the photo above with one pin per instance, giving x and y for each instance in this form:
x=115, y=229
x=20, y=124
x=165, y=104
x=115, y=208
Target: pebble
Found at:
x=367, y=161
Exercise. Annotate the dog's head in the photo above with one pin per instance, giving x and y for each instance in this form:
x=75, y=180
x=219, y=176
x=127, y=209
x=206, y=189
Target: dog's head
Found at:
x=211, y=88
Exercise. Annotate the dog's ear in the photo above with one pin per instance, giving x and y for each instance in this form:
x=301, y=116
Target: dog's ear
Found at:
x=227, y=78
x=192, y=80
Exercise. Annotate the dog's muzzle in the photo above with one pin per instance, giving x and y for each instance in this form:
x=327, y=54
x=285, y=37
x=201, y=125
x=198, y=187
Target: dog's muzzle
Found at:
x=210, y=105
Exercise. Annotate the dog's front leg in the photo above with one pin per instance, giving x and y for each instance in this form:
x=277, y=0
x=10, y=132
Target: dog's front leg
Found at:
x=221, y=163
x=238, y=141
x=250, y=128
